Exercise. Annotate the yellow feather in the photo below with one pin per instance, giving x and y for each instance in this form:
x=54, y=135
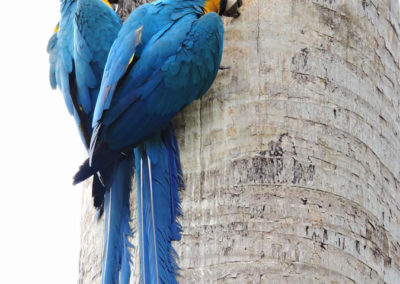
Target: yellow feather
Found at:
x=107, y=3
x=212, y=6
x=130, y=61
x=139, y=35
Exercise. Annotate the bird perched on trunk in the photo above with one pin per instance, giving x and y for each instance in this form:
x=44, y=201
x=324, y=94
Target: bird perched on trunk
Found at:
x=78, y=53
x=166, y=55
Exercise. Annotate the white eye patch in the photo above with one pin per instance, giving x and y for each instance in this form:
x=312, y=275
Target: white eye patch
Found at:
x=232, y=7
x=229, y=4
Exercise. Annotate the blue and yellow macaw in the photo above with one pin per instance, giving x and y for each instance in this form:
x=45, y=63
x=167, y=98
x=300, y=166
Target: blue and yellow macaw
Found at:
x=166, y=55
x=78, y=53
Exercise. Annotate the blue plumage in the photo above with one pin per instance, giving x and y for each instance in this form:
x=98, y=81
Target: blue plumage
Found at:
x=156, y=89
x=175, y=179
x=78, y=53
x=53, y=50
x=64, y=65
x=159, y=177
x=166, y=55
x=116, y=256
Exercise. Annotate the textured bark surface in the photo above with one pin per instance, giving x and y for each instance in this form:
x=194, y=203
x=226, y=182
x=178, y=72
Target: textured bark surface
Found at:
x=125, y=7
x=292, y=160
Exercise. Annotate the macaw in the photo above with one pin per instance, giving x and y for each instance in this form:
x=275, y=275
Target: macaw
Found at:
x=78, y=53
x=166, y=55
x=77, y=68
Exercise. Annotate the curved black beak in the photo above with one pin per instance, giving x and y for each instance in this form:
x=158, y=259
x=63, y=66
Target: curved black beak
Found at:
x=232, y=8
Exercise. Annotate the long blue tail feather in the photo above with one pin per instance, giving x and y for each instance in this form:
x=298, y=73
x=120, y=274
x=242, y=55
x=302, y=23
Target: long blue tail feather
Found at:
x=158, y=206
x=176, y=178
x=116, y=255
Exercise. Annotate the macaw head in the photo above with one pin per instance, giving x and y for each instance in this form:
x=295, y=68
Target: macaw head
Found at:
x=228, y=8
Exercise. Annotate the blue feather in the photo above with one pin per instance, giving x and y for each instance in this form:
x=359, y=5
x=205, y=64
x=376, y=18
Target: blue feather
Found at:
x=158, y=207
x=177, y=51
x=175, y=178
x=149, y=96
x=116, y=255
x=78, y=53
x=52, y=50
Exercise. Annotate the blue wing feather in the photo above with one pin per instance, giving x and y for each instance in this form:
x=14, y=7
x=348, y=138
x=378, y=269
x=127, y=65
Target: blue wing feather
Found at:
x=85, y=77
x=176, y=59
x=52, y=50
x=175, y=180
x=116, y=256
x=161, y=82
x=96, y=27
x=154, y=33
x=63, y=64
x=115, y=69
x=78, y=53
x=175, y=65
x=158, y=207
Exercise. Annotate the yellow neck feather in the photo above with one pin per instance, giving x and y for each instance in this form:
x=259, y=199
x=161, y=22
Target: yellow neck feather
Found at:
x=107, y=3
x=212, y=6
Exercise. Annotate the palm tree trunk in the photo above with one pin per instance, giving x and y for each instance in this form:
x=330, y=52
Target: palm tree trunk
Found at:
x=292, y=160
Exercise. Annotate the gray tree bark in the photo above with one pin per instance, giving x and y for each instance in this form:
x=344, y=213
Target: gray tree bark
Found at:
x=292, y=160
